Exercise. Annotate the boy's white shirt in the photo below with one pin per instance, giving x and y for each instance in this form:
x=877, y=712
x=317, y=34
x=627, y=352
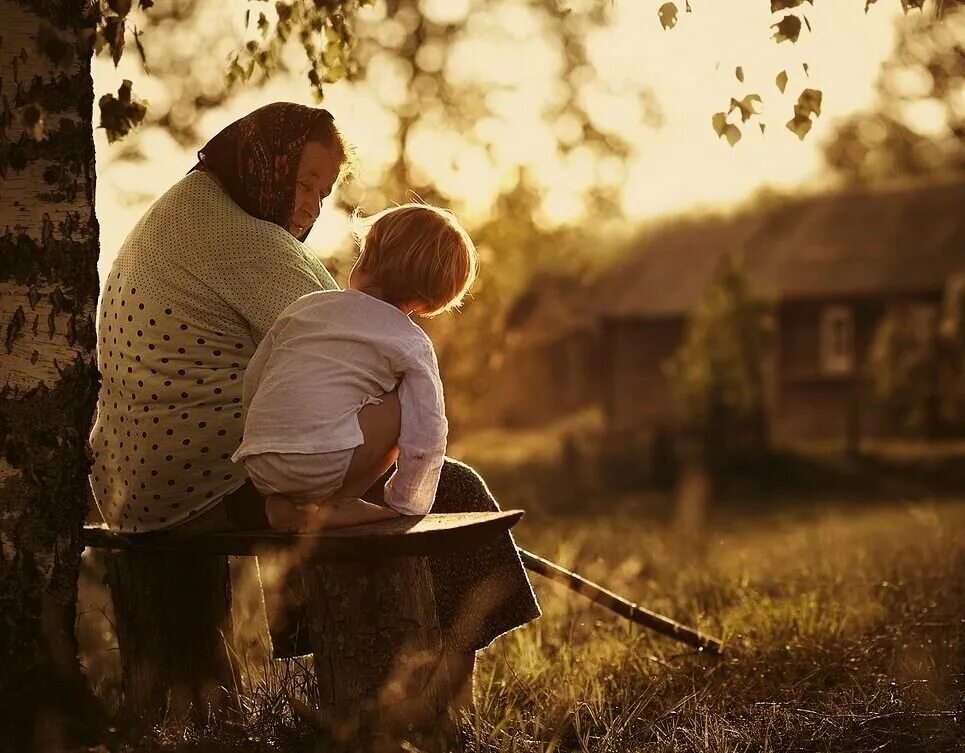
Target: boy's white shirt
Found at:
x=328, y=355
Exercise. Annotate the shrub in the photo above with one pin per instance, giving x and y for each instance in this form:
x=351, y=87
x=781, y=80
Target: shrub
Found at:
x=918, y=365
x=719, y=372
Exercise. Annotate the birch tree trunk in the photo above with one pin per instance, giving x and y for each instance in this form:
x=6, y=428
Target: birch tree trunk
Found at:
x=48, y=376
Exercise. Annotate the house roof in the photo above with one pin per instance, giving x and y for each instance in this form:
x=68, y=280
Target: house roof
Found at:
x=903, y=237
x=553, y=305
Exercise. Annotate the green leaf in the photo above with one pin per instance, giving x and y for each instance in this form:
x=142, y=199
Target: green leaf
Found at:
x=781, y=81
x=120, y=7
x=810, y=102
x=121, y=113
x=719, y=121
x=668, y=15
x=113, y=31
x=779, y=5
x=799, y=124
x=788, y=29
x=740, y=73
x=746, y=106
x=284, y=11
x=725, y=129
x=140, y=49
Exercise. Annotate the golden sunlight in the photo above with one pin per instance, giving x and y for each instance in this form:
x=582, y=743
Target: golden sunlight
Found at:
x=654, y=90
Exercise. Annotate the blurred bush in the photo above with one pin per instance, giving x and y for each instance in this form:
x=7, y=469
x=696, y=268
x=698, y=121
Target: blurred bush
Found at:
x=918, y=366
x=719, y=373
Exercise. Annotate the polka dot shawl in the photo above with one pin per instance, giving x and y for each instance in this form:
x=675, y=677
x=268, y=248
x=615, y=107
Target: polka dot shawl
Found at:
x=194, y=288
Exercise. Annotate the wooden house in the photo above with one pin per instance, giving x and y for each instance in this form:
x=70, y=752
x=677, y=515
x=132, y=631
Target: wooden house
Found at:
x=831, y=264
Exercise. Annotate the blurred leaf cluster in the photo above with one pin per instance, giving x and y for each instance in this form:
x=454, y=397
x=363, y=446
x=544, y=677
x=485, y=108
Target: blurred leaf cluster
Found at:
x=516, y=244
x=516, y=258
x=121, y=113
x=918, y=365
x=323, y=31
x=917, y=125
x=719, y=371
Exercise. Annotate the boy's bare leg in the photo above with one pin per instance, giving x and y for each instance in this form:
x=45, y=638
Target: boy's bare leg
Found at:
x=305, y=516
x=298, y=516
x=380, y=426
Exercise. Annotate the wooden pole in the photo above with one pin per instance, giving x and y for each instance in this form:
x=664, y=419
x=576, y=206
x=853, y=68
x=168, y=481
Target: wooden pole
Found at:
x=624, y=608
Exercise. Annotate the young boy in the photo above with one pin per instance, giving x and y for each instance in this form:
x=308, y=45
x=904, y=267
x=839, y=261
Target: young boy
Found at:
x=344, y=383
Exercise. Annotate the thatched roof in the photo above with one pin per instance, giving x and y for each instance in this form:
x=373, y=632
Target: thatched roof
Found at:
x=906, y=237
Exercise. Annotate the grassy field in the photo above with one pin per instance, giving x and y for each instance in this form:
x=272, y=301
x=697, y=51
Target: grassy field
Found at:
x=843, y=626
x=844, y=632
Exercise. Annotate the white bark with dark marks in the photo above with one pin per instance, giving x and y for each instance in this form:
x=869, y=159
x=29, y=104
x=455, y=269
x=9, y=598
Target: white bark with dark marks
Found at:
x=48, y=379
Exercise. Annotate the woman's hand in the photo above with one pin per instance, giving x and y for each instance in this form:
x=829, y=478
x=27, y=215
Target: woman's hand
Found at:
x=308, y=516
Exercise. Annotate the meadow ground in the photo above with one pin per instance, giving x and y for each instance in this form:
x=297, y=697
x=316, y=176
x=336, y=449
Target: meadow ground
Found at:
x=844, y=629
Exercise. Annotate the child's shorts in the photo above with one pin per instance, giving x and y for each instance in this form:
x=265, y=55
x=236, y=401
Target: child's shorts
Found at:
x=318, y=475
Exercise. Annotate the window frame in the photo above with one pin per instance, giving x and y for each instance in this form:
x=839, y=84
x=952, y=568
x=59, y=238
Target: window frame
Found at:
x=836, y=340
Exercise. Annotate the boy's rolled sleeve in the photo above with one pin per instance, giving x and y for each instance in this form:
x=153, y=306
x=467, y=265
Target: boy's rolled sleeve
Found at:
x=411, y=490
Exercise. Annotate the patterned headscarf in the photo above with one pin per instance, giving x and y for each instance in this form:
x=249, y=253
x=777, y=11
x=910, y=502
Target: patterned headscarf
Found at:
x=256, y=158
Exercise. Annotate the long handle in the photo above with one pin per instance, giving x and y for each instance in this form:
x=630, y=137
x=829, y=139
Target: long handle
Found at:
x=624, y=608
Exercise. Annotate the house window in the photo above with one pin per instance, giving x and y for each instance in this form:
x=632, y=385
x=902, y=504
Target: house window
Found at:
x=837, y=340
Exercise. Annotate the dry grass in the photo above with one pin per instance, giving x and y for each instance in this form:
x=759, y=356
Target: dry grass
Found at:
x=844, y=633
x=843, y=628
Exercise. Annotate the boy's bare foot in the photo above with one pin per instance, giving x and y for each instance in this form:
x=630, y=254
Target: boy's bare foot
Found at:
x=306, y=516
x=286, y=516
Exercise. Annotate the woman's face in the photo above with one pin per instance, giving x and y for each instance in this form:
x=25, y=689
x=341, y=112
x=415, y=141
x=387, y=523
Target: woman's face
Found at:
x=317, y=173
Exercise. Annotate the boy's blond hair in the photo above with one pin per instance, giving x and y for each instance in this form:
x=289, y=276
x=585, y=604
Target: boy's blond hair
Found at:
x=418, y=253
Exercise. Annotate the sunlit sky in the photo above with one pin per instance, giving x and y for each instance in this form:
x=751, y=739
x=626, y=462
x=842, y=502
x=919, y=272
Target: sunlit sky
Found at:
x=681, y=165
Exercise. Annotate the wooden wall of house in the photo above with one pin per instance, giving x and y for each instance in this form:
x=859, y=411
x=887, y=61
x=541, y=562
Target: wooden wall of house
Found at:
x=812, y=402
x=807, y=400
x=638, y=396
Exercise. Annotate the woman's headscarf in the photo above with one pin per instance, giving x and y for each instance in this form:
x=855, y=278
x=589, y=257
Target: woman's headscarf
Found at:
x=256, y=157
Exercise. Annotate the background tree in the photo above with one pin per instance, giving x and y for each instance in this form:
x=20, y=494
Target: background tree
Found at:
x=917, y=125
x=719, y=372
x=918, y=365
x=48, y=294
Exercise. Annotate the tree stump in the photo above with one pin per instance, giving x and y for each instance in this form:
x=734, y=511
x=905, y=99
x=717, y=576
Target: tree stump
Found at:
x=172, y=613
x=379, y=658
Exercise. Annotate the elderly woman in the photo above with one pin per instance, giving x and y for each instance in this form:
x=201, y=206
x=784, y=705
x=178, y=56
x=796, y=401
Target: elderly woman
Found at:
x=193, y=290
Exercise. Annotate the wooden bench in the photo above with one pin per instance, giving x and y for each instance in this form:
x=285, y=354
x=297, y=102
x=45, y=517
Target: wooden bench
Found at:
x=378, y=657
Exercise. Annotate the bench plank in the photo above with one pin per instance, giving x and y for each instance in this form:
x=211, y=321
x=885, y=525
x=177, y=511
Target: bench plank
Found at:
x=403, y=536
